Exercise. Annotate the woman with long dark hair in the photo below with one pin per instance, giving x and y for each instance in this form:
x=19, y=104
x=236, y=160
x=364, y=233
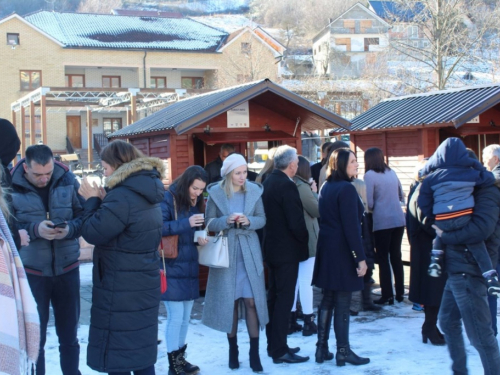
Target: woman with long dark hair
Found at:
x=124, y=223
x=235, y=207
x=340, y=258
x=182, y=209
x=308, y=195
x=385, y=196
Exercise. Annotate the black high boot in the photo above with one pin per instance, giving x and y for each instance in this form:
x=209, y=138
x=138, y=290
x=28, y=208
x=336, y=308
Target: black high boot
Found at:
x=175, y=363
x=293, y=326
x=309, y=325
x=368, y=304
x=254, y=355
x=324, y=324
x=233, y=353
x=429, y=328
x=345, y=354
x=188, y=368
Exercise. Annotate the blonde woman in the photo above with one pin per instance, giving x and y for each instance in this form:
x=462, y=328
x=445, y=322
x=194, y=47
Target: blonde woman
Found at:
x=235, y=207
x=268, y=166
x=20, y=324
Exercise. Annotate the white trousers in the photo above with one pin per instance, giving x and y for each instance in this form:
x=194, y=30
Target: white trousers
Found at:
x=304, y=280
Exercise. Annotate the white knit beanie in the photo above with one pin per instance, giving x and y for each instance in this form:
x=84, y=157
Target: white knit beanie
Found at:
x=232, y=162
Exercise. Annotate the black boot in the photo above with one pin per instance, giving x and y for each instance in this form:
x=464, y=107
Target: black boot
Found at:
x=310, y=327
x=429, y=328
x=345, y=354
x=189, y=369
x=254, y=355
x=175, y=363
x=324, y=324
x=368, y=304
x=233, y=353
x=293, y=326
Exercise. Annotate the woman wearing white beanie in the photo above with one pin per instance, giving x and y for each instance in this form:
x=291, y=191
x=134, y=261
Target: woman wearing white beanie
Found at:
x=235, y=207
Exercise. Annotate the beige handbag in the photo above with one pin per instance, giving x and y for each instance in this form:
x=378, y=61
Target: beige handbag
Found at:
x=215, y=253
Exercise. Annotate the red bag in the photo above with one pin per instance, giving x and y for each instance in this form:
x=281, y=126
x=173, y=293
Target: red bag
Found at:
x=163, y=277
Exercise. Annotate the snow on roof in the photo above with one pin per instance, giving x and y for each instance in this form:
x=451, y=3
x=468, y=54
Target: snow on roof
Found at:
x=227, y=22
x=81, y=30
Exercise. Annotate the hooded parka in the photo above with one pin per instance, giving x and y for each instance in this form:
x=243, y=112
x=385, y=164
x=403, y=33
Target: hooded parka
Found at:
x=125, y=228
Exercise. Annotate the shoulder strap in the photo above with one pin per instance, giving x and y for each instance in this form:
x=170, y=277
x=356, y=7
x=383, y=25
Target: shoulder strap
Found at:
x=175, y=205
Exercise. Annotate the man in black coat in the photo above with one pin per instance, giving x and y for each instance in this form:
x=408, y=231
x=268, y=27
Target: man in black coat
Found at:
x=285, y=245
x=213, y=168
x=465, y=293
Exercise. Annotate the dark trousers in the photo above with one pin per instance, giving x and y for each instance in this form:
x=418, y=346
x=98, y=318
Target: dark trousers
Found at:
x=492, y=302
x=341, y=302
x=478, y=250
x=464, y=299
x=388, y=245
x=147, y=371
x=282, y=279
x=63, y=292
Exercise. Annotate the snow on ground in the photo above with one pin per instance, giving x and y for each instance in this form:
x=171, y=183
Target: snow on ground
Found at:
x=392, y=340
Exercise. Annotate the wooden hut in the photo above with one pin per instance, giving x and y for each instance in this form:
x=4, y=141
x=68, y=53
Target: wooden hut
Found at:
x=257, y=115
x=410, y=128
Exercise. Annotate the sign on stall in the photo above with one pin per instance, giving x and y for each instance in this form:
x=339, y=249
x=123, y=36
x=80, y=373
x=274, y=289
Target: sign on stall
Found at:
x=239, y=116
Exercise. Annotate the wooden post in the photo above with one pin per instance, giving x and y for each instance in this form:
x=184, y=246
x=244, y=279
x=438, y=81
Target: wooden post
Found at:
x=13, y=119
x=133, y=105
x=23, y=131
x=90, y=150
x=43, y=118
x=32, y=124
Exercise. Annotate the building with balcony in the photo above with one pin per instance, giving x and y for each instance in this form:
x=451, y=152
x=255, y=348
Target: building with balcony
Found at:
x=348, y=43
x=70, y=76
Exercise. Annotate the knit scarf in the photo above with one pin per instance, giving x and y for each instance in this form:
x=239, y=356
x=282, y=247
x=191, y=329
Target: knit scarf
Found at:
x=19, y=321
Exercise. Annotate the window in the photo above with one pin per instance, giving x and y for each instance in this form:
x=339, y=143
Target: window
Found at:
x=158, y=82
x=75, y=80
x=38, y=126
x=12, y=39
x=371, y=42
x=111, y=81
x=192, y=82
x=246, y=48
x=110, y=125
x=426, y=43
x=30, y=79
x=415, y=43
x=413, y=32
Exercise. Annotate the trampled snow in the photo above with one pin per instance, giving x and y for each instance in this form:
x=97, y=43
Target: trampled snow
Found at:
x=391, y=339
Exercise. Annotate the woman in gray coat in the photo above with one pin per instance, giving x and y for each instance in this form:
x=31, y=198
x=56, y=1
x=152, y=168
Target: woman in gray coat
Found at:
x=235, y=207
x=309, y=197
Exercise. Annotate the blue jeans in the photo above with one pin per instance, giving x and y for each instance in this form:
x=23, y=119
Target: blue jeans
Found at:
x=147, y=371
x=178, y=314
x=63, y=292
x=464, y=298
x=492, y=301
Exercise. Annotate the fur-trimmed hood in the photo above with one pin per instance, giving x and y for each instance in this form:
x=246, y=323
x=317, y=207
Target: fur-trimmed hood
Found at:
x=141, y=175
x=136, y=165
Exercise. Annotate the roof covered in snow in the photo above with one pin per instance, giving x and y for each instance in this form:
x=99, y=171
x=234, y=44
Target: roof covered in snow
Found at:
x=81, y=30
x=391, y=11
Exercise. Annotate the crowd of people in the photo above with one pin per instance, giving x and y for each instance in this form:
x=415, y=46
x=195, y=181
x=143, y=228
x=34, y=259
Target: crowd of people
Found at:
x=303, y=224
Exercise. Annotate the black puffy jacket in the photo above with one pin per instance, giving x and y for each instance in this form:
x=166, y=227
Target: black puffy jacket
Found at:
x=126, y=231
x=483, y=226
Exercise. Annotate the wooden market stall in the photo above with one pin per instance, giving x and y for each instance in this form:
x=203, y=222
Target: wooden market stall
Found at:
x=252, y=116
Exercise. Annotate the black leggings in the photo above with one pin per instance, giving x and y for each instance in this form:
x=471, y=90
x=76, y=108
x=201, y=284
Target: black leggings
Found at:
x=388, y=246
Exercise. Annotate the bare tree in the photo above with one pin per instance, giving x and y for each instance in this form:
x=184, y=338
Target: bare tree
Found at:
x=441, y=36
x=99, y=6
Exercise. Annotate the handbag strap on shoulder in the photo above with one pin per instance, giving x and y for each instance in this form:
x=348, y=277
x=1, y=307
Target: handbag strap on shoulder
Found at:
x=175, y=205
x=221, y=233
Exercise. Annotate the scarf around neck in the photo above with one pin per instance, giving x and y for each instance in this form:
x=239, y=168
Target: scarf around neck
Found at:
x=20, y=323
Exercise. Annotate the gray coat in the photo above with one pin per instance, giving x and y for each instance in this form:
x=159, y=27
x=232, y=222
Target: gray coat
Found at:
x=219, y=297
x=311, y=212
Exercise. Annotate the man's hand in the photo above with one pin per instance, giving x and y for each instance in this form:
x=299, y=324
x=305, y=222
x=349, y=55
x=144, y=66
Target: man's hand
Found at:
x=362, y=267
x=439, y=232
x=45, y=231
x=61, y=232
x=25, y=238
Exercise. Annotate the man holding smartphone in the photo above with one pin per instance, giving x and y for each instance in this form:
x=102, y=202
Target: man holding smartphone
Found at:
x=46, y=204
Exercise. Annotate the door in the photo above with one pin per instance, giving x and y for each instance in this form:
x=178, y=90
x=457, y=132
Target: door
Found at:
x=74, y=130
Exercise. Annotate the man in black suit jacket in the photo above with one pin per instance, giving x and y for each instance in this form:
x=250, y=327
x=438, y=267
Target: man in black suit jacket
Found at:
x=285, y=245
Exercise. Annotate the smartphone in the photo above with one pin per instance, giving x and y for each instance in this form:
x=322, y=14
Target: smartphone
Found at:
x=59, y=224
